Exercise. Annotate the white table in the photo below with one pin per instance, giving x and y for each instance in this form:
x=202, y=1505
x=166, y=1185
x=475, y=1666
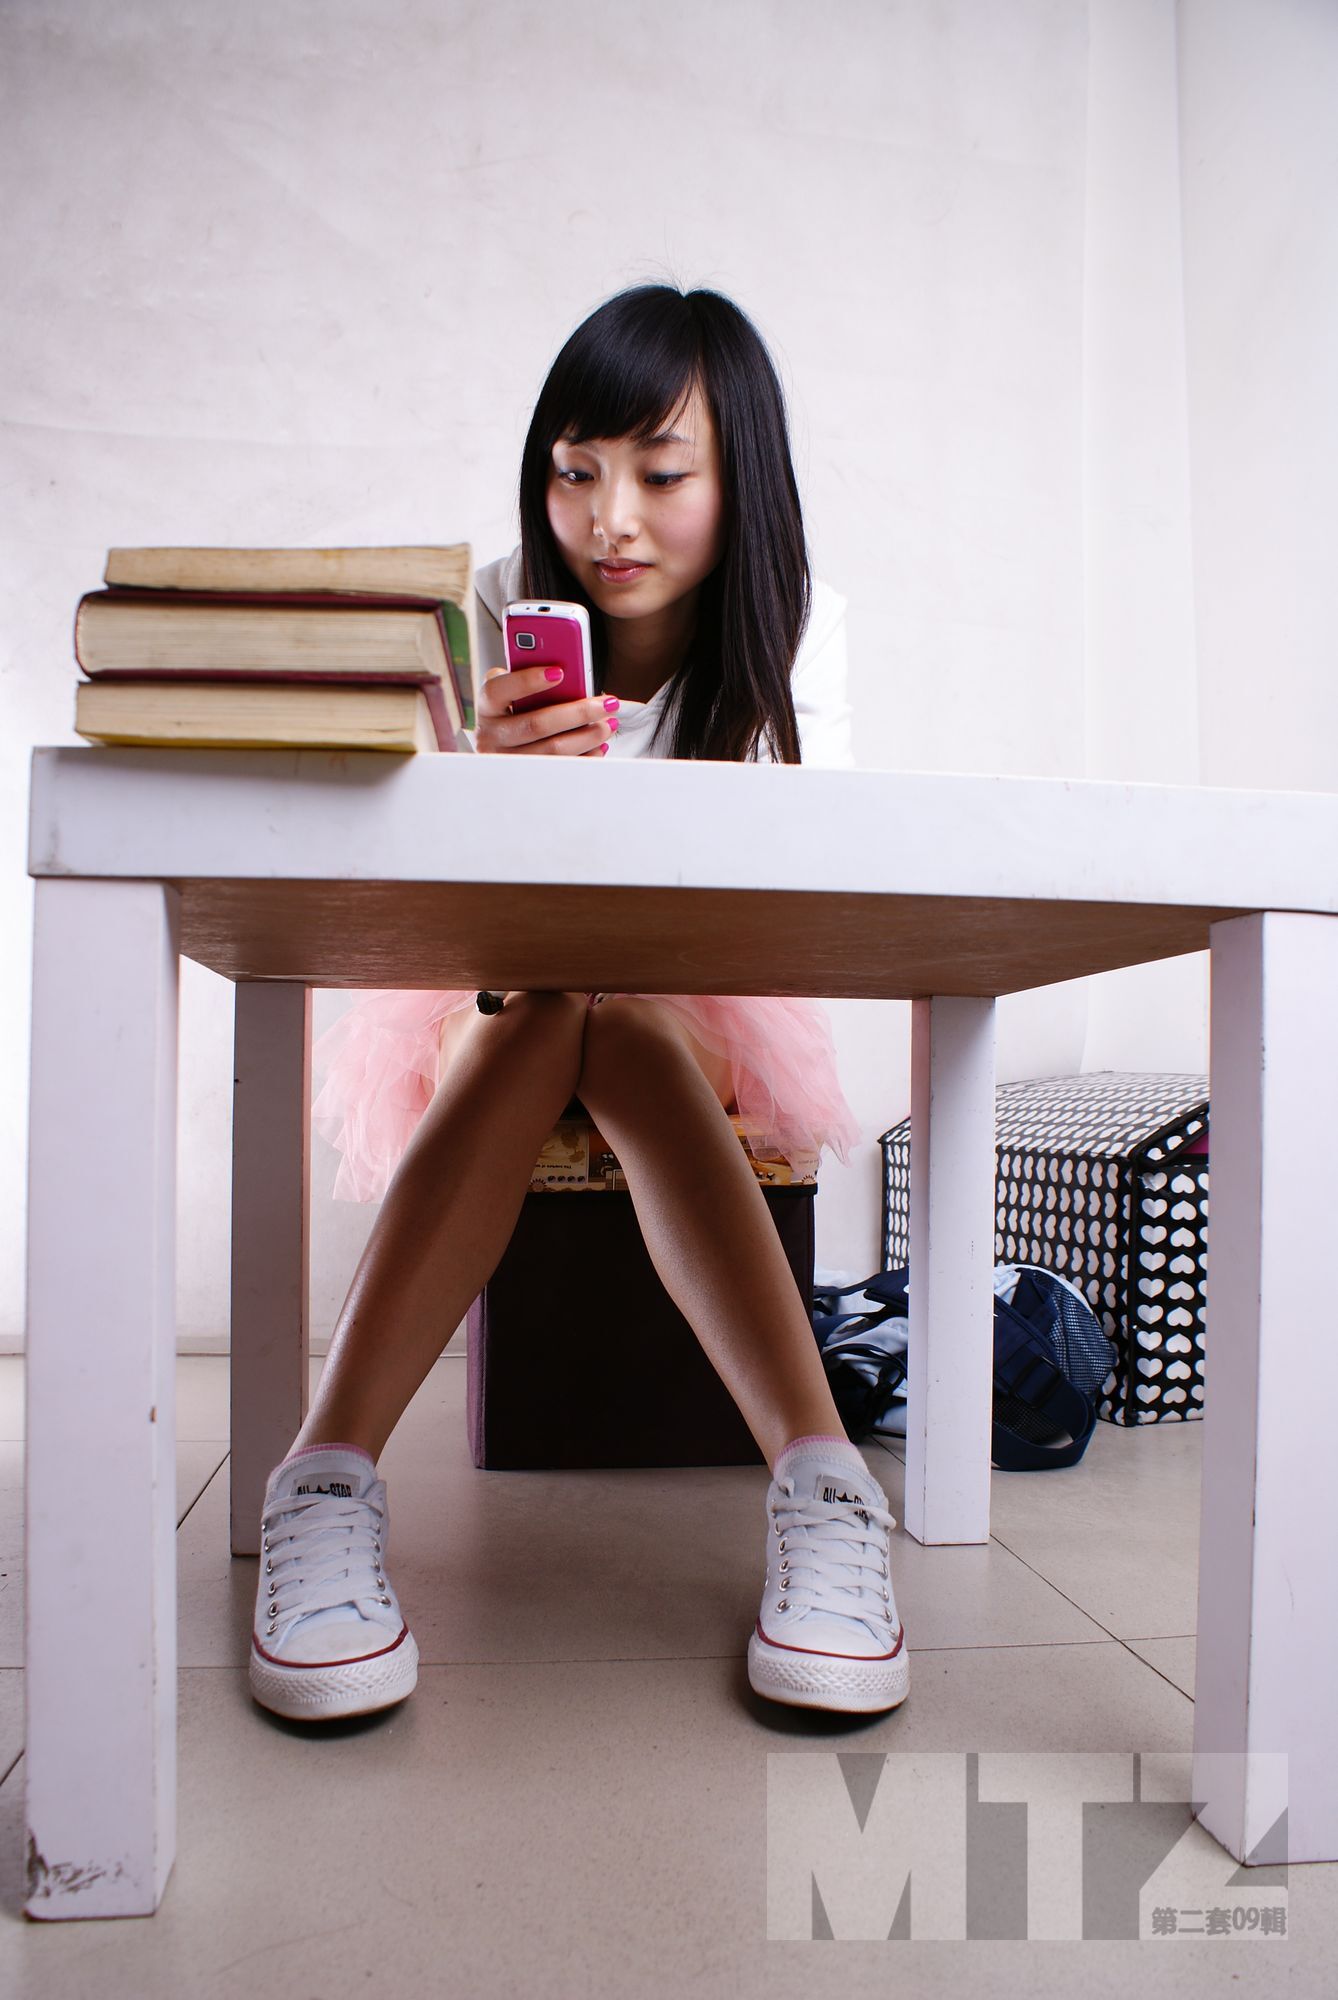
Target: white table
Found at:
x=285, y=871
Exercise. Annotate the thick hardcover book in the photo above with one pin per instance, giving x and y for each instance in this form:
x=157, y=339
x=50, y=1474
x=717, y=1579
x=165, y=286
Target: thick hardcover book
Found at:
x=444, y=575
x=240, y=714
x=268, y=635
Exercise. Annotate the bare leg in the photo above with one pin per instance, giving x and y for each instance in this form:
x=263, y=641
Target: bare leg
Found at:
x=448, y=1214
x=704, y=1218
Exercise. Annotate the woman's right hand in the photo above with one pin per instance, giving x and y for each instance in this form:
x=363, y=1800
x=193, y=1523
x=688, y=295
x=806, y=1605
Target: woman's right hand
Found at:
x=563, y=729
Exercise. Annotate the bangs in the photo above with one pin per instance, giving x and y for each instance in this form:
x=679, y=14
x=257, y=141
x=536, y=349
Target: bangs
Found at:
x=626, y=374
x=628, y=402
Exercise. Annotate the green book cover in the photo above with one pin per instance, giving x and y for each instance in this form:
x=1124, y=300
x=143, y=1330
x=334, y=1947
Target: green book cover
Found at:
x=457, y=635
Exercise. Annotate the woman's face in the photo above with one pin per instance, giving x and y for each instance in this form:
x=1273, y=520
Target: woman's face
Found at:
x=641, y=526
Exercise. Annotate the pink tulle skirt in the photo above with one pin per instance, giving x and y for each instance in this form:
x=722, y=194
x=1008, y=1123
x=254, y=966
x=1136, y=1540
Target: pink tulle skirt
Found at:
x=380, y=1064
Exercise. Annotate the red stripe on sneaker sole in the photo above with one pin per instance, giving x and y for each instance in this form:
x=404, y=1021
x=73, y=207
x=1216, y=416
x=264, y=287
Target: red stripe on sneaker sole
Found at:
x=819, y=1653
x=316, y=1666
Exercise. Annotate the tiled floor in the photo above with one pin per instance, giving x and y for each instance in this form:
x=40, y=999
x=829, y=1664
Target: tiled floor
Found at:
x=575, y=1801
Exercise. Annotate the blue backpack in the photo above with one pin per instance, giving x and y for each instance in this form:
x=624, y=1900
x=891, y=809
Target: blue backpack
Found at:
x=1051, y=1357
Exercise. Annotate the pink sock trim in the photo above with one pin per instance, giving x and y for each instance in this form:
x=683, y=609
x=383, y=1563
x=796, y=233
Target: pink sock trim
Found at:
x=822, y=1438
x=306, y=1450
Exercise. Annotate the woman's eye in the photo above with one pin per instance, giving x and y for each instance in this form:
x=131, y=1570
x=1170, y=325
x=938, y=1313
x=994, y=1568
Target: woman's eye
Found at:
x=570, y=476
x=664, y=478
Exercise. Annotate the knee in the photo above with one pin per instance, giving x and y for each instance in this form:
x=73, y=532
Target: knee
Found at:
x=539, y=1022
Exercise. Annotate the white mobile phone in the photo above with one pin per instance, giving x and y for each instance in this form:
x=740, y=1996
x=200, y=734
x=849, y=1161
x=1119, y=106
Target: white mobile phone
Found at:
x=551, y=634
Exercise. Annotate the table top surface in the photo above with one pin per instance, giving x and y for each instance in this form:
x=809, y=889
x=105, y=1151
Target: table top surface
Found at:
x=358, y=869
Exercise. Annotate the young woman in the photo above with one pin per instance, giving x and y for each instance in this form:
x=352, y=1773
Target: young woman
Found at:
x=656, y=488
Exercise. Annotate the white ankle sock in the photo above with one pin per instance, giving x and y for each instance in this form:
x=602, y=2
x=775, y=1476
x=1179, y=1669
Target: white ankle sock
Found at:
x=819, y=1444
x=304, y=1451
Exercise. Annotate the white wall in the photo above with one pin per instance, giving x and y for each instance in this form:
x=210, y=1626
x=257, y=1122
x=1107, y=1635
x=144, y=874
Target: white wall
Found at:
x=293, y=273
x=1259, y=158
x=1140, y=678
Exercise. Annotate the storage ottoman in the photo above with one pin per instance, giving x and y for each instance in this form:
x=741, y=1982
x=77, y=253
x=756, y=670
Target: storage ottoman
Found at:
x=1104, y=1179
x=576, y=1355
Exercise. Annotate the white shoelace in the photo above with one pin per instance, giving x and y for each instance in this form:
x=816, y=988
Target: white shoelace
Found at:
x=836, y=1560
x=321, y=1551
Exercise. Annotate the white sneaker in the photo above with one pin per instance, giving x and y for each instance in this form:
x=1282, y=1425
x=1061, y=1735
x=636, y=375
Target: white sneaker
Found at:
x=329, y=1638
x=828, y=1635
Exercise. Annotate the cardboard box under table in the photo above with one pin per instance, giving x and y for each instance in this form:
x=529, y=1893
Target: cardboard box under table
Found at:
x=576, y=1355
x=1104, y=1179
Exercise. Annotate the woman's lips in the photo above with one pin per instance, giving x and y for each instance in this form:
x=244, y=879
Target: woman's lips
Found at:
x=621, y=572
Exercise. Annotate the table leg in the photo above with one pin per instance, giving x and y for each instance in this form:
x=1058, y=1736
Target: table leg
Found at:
x=101, y=1460
x=271, y=1208
x=1268, y=1574
x=950, y=1373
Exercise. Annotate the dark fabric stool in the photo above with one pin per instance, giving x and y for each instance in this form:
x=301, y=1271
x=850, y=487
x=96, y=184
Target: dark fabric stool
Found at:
x=577, y=1356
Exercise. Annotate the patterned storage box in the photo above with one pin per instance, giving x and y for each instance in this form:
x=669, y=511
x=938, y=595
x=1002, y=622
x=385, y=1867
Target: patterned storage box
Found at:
x=1103, y=1178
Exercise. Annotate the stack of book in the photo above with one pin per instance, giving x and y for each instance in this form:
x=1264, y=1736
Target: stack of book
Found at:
x=353, y=649
x=575, y=1155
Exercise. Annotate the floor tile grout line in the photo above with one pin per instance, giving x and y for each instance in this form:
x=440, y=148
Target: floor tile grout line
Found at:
x=1150, y=1664
x=1161, y=1674
x=1108, y=1637
x=703, y=1659
x=1041, y=1578
x=207, y=1484
x=1007, y=1645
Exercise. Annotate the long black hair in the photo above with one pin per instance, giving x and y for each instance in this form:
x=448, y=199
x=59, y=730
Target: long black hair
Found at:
x=623, y=374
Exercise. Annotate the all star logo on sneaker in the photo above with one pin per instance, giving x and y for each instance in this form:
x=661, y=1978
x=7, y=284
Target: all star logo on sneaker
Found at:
x=340, y=1489
x=837, y=1496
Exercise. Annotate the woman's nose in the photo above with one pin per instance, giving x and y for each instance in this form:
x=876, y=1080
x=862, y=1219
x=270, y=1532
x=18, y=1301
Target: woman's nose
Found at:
x=615, y=511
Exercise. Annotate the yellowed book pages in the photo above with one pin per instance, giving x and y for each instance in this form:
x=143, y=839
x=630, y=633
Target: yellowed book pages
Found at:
x=140, y=634
x=259, y=715
x=446, y=573
x=774, y=1169
x=576, y=1157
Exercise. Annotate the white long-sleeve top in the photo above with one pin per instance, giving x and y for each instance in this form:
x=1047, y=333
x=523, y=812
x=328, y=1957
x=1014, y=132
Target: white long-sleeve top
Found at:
x=818, y=685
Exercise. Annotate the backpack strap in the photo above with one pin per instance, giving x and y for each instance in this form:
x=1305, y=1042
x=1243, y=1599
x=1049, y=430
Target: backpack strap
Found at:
x=1024, y=1369
x=861, y=1402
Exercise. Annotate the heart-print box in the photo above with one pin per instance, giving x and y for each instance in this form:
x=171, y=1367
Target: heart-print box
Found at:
x=1104, y=1179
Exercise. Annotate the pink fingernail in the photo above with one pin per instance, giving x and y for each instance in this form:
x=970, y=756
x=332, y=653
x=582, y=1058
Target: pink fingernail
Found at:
x=613, y=724
x=611, y=704
x=552, y=673
x=603, y=749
